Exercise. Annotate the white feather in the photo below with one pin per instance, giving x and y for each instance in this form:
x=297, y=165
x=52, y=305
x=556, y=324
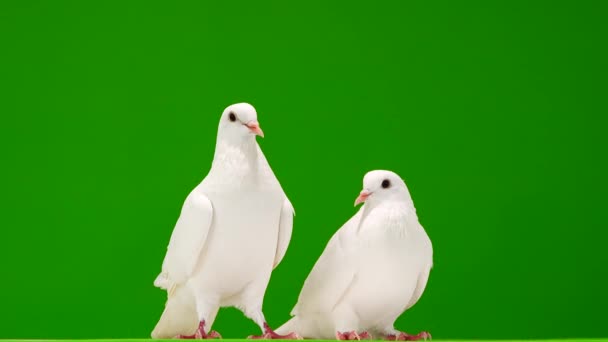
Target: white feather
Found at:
x=187, y=241
x=285, y=229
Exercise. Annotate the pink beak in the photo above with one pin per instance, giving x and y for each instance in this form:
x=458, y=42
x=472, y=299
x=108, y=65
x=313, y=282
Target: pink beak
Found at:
x=254, y=127
x=362, y=197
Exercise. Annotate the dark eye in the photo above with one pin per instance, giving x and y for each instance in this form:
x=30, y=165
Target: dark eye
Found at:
x=232, y=117
x=386, y=184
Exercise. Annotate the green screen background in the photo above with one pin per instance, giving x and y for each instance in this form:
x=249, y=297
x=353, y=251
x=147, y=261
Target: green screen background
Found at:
x=493, y=112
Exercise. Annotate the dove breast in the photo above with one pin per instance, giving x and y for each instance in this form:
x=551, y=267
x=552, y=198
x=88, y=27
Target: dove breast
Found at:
x=392, y=253
x=245, y=228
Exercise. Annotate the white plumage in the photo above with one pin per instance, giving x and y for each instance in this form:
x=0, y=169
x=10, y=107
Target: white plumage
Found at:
x=234, y=228
x=374, y=268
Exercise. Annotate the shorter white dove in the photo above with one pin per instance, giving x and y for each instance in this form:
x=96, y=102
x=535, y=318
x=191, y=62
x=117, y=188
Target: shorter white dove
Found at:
x=372, y=270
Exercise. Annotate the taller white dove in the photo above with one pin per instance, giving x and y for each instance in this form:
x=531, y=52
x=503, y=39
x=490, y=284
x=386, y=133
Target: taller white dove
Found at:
x=373, y=269
x=233, y=230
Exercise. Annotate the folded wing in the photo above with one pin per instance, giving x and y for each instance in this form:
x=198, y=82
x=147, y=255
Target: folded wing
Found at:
x=187, y=242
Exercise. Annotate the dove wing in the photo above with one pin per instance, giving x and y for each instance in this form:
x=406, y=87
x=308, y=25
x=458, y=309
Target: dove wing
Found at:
x=187, y=241
x=331, y=276
x=423, y=278
x=285, y=229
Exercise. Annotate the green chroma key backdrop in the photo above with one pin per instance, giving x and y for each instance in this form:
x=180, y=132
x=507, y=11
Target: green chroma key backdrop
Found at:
x=494, y=113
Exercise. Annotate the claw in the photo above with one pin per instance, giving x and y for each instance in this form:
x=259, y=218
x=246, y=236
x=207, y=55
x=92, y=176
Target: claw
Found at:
x=214, y=334
x=352, y=336
x=258, y=337
x=365, y=336
x=269, y=334
x=201, y=334
x=186, y=337
x=424, y=335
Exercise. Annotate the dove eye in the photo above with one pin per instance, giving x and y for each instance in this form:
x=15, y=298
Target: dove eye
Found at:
x=386, y=184
x=232, y=117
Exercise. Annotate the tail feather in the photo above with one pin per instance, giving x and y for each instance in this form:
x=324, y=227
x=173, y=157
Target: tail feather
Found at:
x=179, y=316
x=308, y=327
x=162, y=281
x=288, y=327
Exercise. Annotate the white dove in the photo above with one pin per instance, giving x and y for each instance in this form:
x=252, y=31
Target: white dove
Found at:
x=373, y=269
x=232, y=232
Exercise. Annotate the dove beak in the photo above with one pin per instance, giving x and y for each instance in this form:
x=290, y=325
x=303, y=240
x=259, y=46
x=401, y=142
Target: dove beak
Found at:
x=362, y=197
x=254, y=127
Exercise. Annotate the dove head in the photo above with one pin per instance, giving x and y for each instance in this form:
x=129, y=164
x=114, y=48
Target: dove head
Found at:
x=381, y=185
x=239, y=122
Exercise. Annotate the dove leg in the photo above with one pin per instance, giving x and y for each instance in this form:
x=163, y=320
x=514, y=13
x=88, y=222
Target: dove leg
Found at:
x=251, y=305
x=255, y=313
x=200, y=333
x=206, y=313
x=346, y=323
x=353, y=335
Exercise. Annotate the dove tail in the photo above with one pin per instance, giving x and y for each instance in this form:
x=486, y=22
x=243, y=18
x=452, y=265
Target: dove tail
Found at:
x=162, y=281
x=307, y=328
x=289, y=327
x=179, y=316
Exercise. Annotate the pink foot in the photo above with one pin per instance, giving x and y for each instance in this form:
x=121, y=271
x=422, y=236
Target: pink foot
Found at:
x=201, y=334
x=353, y=336
x=269, y=334
x=424, y=335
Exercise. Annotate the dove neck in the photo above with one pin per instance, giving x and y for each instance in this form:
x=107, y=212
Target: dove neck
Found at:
x=404, y=206
x=241, y=151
